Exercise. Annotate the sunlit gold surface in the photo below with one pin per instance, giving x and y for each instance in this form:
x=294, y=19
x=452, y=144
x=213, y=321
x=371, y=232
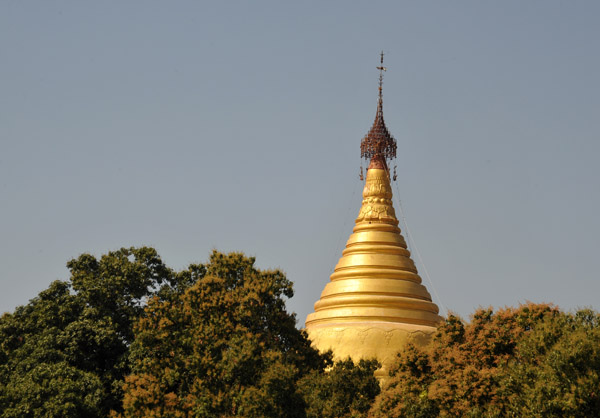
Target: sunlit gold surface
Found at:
x=374, y=302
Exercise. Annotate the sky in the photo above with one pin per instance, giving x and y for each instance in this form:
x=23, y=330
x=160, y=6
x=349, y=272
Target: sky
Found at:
x=190, y=126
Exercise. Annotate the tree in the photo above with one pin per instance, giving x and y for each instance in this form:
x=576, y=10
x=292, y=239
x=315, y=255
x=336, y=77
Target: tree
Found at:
x=459, y=373
x=126, y=336
x=531, y=361
x=225, y=347
x=556, y=371
x=345, y=391
x=65, y=353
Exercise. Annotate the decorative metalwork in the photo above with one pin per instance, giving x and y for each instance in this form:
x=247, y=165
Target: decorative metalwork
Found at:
x=379, y=145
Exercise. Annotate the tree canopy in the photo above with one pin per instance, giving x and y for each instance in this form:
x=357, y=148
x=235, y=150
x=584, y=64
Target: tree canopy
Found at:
x=226, y=347
x=65, y=353
x=531, y=361
x=126, y=336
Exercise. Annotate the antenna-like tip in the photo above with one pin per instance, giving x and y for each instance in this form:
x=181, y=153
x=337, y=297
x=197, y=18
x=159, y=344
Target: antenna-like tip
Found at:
x=381, y=69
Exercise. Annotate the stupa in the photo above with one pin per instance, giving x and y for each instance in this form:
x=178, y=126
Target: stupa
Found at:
x=374, y=302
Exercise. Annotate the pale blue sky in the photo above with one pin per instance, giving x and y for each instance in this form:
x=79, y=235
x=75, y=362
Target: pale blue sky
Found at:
x=190, y=125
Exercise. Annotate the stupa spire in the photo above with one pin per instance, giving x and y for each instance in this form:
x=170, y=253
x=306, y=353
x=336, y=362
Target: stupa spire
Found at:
x=374, y=302
x=378, y=145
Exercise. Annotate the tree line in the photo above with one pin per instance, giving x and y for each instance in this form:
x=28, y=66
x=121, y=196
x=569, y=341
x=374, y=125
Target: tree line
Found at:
x=126, y=336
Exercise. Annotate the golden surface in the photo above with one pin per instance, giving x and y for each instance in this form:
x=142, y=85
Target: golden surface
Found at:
x=374, y=302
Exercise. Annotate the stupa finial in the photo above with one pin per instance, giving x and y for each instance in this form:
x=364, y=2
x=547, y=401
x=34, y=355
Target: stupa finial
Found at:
x=378, y=145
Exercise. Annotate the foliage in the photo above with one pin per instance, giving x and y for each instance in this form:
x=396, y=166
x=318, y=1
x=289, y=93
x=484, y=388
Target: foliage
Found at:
x=225, y=347
x=64, y=354
x=212, y=340
x=532, y=361
x=345, y=391
x=125, y=336
x=557, y=369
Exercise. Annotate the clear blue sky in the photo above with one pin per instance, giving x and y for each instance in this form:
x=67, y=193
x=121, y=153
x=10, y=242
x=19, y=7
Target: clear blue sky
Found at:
x=193, y=125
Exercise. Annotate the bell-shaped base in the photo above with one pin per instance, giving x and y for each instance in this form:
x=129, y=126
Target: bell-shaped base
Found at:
x=359, y=340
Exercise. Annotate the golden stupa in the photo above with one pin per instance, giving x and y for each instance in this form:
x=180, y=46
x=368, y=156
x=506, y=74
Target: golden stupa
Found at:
x=374, y=302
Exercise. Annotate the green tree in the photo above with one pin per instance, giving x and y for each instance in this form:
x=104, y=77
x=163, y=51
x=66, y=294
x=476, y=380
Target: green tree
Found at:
x=556, y=371
x=65, y=353
x=225, y=347
x=126, y=336
x=461, y=373
x=532, y=361
x=345, y=391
